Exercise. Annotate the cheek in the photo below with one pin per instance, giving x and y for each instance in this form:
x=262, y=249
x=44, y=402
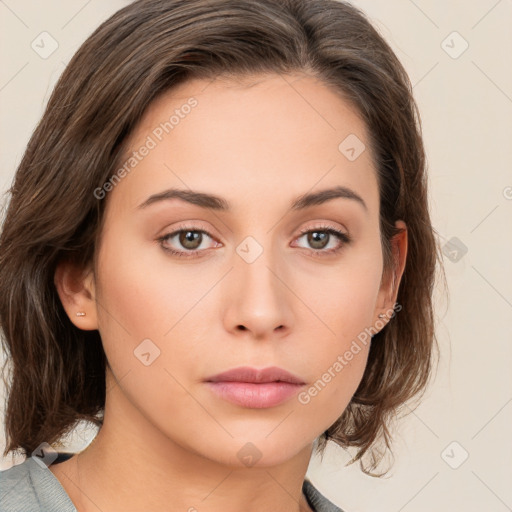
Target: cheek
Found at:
x=141, y=294
x=150, y=314
x=142, y=315
x=328, y=395
x=344, y=297
x=346, y=305
x=337, y=362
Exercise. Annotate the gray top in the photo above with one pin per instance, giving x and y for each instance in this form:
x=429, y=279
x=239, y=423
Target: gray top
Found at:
x=31, y=487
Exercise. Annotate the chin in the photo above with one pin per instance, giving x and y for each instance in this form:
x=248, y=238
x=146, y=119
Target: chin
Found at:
x=259, y=451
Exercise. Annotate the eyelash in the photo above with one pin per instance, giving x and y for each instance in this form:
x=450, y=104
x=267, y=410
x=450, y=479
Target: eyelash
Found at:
x=344, y=238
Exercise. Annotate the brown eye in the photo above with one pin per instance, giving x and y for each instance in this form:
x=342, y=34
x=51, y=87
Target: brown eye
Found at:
x=318, y=239
x=187, y=242
x=190, y=239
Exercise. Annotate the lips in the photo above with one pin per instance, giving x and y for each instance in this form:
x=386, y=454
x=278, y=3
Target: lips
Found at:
x=253, y=388
x=248, y=374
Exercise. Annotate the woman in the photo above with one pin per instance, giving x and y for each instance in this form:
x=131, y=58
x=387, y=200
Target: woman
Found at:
x=218, y=249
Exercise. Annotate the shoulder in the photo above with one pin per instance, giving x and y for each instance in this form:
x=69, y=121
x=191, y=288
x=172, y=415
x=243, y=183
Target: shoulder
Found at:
x=317, y=501
x=32, y=487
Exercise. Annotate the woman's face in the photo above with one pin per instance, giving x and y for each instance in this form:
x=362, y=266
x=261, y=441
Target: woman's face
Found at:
x=247, y=285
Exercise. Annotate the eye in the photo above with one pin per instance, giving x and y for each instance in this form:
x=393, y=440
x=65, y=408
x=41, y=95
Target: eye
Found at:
x=321, y=237
x=186, y=241
x=189, y=241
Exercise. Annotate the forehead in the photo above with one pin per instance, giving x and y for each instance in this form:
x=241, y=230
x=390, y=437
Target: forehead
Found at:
x=243, y=137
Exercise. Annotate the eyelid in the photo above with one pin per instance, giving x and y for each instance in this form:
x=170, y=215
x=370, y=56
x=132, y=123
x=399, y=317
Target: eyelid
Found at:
x=189, y=226
x=324, y=226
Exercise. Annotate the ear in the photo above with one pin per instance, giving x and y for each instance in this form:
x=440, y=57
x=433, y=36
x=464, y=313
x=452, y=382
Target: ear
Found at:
x=77, y=293
x=391, y=279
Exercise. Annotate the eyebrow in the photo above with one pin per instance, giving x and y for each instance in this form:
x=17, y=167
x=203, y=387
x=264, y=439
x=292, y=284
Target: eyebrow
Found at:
x=218, y=203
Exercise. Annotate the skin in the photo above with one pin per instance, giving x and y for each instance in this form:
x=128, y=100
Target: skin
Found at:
x=168, y=443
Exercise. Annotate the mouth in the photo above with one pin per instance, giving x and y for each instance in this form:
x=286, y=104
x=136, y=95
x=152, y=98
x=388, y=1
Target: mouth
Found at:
x=253, y=388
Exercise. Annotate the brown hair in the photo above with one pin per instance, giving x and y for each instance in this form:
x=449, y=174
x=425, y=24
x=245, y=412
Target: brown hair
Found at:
x=58, y=371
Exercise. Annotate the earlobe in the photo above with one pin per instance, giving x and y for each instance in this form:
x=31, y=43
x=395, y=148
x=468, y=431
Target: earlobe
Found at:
x=77, y=294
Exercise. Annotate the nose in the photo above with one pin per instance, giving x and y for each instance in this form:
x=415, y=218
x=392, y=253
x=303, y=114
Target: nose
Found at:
x=258, y=301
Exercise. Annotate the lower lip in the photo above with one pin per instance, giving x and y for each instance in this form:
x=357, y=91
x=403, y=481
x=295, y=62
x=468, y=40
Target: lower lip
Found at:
x=255, y=396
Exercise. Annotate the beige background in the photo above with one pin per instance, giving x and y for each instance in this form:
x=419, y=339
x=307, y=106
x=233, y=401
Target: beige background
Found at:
x=466, y=105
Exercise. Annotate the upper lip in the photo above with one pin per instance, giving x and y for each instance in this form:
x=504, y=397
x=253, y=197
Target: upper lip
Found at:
x=248, y=374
